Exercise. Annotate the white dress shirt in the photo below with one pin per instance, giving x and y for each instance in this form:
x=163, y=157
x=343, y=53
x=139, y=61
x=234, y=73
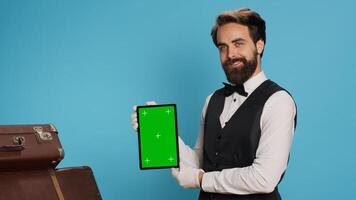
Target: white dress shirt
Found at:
x=277, y=130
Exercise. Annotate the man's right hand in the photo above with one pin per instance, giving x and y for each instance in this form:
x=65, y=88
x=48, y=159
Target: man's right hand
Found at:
x=134, y=123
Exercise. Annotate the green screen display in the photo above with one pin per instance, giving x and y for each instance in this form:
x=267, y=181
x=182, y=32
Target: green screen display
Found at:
x=158, y=137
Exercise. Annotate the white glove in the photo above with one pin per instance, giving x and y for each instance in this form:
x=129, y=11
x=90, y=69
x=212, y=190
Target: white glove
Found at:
x=187, y=156
x=187, y=177
x=134, y=123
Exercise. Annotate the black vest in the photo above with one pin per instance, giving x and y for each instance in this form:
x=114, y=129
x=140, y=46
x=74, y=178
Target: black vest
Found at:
x=236, y=144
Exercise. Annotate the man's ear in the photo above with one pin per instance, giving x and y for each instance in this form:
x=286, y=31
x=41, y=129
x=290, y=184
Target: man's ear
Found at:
x=260, y=44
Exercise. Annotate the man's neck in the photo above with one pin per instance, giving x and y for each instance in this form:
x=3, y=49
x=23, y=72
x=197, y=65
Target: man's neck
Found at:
x=258, y=67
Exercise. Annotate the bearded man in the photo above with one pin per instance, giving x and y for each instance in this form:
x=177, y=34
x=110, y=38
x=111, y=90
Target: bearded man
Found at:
x=247, y=127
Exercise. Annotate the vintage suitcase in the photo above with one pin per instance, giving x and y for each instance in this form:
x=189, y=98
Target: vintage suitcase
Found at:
x=76, y=183
x=29, y=147
x=28, y=157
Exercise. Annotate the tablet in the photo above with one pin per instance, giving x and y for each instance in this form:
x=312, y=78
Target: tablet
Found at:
x=158, y=136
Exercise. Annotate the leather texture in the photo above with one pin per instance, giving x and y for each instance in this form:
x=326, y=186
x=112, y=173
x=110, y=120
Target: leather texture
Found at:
x=28, y=157
x=75, y=183
x=32, y=152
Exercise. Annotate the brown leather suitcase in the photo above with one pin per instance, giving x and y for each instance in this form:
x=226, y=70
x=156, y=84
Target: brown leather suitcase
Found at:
x=76, y=183
x=28, y=157
x=29, y=147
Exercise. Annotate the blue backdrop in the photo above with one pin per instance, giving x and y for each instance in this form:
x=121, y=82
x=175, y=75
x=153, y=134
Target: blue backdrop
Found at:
x=82, y=65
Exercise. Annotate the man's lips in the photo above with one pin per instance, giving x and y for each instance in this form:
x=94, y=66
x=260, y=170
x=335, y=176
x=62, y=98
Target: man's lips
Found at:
x=236, y=64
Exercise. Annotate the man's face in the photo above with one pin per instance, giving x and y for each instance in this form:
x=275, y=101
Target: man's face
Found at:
x=238, y=52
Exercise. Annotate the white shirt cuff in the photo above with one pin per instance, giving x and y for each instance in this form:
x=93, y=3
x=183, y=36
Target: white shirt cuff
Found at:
x=208, y=181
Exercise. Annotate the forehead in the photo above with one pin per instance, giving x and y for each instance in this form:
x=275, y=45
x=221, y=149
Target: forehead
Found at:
x=232, y=31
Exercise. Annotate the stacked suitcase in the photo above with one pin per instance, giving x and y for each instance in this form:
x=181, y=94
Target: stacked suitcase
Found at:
x=29, y=155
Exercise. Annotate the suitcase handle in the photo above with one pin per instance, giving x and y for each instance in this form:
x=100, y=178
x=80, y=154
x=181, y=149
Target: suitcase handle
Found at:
x=18, y=145
x=11, y=148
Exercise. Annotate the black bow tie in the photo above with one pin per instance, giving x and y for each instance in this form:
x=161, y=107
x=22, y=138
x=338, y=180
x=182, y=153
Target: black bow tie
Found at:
x=239, y=88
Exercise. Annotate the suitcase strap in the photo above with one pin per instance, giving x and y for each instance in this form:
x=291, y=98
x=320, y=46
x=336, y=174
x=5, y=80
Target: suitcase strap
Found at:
x=56, y=184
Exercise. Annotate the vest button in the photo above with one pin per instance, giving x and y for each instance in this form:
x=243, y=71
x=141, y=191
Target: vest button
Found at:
x=216, y=153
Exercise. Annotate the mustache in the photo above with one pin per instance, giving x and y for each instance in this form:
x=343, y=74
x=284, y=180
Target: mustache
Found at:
x=232, y=61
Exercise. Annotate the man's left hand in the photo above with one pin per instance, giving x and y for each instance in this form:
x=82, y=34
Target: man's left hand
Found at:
x=188, y=177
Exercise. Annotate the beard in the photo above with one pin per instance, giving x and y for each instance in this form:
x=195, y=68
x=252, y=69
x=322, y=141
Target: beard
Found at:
x=239, y=75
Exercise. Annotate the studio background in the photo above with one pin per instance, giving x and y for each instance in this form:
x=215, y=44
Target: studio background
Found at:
x=82, y=65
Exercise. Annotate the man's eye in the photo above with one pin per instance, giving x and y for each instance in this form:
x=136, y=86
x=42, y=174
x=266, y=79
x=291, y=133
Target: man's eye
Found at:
x=222, y=48
x=237, y=44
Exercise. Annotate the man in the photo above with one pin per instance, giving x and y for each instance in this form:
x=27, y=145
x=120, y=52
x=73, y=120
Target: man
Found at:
x=247, y=126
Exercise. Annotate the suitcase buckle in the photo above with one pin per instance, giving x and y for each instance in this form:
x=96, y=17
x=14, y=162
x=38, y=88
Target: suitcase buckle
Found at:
x=42, y=136
x=18, y=140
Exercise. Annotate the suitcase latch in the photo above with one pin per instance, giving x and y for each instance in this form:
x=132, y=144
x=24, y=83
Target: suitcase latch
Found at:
x=18, y=140
x=42, y=136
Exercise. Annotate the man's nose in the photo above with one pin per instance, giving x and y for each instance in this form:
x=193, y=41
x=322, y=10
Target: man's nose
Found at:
x=232, y=53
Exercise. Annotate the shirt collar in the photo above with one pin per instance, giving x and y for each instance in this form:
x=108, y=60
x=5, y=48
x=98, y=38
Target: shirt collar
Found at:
x=255, y=81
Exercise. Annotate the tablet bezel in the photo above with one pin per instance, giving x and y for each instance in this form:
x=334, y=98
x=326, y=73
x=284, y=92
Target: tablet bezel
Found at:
x=176, y=136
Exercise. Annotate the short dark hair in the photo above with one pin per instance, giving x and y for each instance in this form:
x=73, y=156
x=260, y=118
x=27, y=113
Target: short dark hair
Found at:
x=244, y=16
